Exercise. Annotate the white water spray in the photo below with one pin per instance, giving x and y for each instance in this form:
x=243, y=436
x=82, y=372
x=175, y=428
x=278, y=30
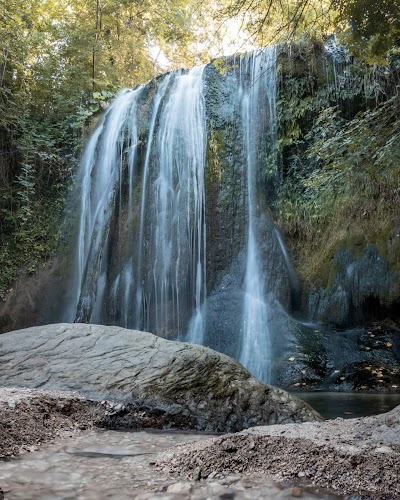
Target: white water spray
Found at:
x=179, y=204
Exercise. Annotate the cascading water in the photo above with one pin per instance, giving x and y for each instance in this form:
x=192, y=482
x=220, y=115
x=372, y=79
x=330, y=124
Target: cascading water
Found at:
x=102, y=169
x=128, y=294
x=258, y=89
x=152, y=184
x=150, y=247
x=177, y=199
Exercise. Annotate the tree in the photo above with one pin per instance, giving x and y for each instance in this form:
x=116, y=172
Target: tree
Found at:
x=59, y=61
x=365, y=25
x=369, y=26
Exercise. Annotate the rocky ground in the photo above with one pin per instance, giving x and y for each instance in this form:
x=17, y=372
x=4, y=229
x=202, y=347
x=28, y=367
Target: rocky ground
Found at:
x=119, y=465
x=51, y=449
x=61, y=453
x=357, y=456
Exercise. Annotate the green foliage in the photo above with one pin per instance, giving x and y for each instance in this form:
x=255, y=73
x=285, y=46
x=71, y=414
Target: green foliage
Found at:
x=272, y=21
x=364, y=147
x=370, y=28
x=32, y=241
x=61, y=62
x=340, y=152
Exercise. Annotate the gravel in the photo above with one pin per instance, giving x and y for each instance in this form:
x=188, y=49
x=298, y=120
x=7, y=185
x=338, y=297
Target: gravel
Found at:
x=358, y=456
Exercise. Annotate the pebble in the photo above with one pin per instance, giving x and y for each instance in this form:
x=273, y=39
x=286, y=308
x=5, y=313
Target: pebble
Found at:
x=383, y=449
x=228, y=446
x=232, y=479
x=180, y=488
x=197, y=474
x=293, y=492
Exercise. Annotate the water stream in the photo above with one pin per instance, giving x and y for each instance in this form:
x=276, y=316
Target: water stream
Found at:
x=119, y=465
x=102, y=167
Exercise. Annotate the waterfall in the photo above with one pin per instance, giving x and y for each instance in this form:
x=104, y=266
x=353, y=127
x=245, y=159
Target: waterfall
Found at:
x=141, y=319
x=128, y=294
x=258, y=89
x=101, y=170
x=158, y=206
x=177, y=203
x=140, y=259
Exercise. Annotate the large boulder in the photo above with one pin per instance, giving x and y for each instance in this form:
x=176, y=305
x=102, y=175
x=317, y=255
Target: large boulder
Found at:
x=194, y=386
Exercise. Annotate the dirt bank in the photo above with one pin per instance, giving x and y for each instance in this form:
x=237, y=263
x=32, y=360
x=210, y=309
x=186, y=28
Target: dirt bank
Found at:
x=359, y=456
x=30, y=418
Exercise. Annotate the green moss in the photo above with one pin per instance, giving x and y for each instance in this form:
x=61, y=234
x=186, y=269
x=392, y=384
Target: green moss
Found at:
x=221, y=65
x=216, y=156
x=347, y=226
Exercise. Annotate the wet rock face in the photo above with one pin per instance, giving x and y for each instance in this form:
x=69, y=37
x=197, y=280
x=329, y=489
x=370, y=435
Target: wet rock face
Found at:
x=193, y=385
x=226, y=191
x=224, y=305
x=226, y=201
x=362, y=289
x=352, y=360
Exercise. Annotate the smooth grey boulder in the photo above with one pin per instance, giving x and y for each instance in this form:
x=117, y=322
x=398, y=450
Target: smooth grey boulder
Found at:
x=195, y=387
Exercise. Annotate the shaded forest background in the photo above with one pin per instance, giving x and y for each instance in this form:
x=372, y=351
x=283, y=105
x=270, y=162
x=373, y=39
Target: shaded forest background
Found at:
x=61, y=62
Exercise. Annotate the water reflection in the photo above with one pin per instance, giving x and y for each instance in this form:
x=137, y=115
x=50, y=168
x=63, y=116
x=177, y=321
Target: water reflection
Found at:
x=349, y=404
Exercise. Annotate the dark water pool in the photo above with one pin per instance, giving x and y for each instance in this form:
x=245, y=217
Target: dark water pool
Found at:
x=349, y=404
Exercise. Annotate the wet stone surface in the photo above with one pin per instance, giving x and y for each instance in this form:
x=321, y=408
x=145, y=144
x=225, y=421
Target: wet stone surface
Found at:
x=120, y=465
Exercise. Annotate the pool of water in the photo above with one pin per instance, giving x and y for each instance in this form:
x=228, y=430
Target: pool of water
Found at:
x=349, y=404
